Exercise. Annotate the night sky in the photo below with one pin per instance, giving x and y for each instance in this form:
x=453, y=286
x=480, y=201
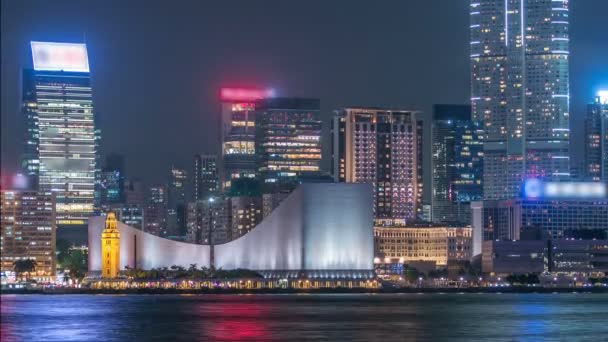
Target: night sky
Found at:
x=157, y=67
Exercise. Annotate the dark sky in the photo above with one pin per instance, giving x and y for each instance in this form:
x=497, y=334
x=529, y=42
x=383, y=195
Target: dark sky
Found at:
x=157, y=66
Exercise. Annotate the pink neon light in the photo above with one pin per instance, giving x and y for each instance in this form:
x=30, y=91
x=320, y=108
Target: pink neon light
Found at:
x=244, y=94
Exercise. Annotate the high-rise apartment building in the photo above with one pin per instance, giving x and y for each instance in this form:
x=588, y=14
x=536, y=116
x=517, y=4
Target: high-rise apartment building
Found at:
x=380, y=147
x=61, y=138
x=596, y=140
x=288, y=141
x=205, y=177
x=238, y=133
x=520, y=90
x=457, y=163
x=209, y=221
x=246, y=212
x=28, y=231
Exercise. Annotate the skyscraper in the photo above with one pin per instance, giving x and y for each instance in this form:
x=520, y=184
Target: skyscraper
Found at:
x=205, y=177
x=208, y=221
x=112, y=182
x=380, y=147
x=596, y=140
x=61, y=141
x=156, y=211
x=238, y=133
x=457, y=163
x=176, y=202
x=520, y=90
x=288, y=140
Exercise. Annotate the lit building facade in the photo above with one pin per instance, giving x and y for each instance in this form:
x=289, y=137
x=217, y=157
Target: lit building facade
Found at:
x=209, y=221
x=112, y=182
x=28, y=231
x=176, y=202
x=457, y=163
x=110, y=245
x=61, y=141
x=238, y=133
x=520, y=90
x=131, y=215
x=288, y=140
x=112, y=188
x=381, y=148
x=580, y=213
x=272, y=200
x=596, y=141
x=205, y=177
x=423, y=243
x=156, y=211
x=246, y=213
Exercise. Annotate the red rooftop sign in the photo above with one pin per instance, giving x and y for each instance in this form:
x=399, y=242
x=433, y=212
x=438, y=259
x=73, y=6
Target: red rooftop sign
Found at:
x=244, y=94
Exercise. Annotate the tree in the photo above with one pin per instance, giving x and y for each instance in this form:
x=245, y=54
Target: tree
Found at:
x=411, y=274
x=76, y=263
x=24, y=266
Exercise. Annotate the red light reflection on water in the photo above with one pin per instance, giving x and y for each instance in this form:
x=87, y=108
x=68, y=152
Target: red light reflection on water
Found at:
x=238, y=321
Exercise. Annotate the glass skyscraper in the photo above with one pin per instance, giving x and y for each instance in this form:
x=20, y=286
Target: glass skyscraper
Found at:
x=205, y=177
x=596, y=141
x=520, y=90
x=61, y=141
x=457, y=163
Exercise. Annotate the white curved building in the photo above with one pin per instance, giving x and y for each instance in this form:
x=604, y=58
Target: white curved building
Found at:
x=319, y=227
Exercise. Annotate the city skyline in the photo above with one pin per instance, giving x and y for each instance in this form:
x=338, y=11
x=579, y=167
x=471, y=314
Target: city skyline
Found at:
x=196, y=96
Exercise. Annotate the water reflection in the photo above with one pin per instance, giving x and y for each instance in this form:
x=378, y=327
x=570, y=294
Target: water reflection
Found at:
x=312, y=317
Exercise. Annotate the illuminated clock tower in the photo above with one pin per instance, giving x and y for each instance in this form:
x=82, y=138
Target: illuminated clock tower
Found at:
x=110, y=247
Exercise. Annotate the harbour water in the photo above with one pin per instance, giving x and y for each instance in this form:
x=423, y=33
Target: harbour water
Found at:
x=306, y=317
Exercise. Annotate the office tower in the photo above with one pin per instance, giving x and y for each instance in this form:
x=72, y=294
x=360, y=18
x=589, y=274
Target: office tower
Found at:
x=208, y=221
x=60, y=145
x=205, y=177
x=176, y=202
x=132, y=215
x=112, y=182
x=112, y=188
x=238, y=133
x=520, y=90
x=380, y=147
x=596, y=140
x=457, y=163
x=156, y=211
x=28, y=231
x=288, y=141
